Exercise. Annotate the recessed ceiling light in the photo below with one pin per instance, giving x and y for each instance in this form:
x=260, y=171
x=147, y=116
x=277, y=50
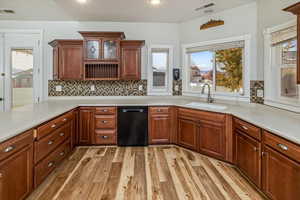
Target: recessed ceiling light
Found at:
x=155, y=2
x=82, y=1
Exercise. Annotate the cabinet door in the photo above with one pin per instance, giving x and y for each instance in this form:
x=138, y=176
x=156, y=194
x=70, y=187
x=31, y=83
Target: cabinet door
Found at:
x=281, y=176
x=160, y=129
x=187, y=133
x=71, y=64
x=86, y=126
x=212, y=139
x=248, y=157
x=16, y=175
x=55, y=62
x=111, y=49
x=131, y=63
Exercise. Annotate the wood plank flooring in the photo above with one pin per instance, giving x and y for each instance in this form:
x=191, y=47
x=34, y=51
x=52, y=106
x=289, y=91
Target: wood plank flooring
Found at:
x=143, y=173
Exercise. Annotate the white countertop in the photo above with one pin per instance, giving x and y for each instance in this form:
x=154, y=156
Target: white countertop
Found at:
x=283, y=123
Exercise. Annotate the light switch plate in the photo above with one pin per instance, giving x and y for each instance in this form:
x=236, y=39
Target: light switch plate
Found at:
x=58, y=88
x=93, y=88
x=141, y=88
x=260, y=93
x=176, y=88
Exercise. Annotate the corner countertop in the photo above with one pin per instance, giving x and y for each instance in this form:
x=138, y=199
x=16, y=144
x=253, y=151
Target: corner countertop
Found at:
x=280, y=122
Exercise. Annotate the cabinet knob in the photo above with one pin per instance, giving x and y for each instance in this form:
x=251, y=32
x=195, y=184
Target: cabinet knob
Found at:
x=62, y=134
x=50, y=164
x=50, y=142
x=53, y=126
x=105, y=137
x=8, y=149
x=283, y=147
x=65, y=119
x=62, y=153
x=255, y=148
x=104, y=122
x=105, y=110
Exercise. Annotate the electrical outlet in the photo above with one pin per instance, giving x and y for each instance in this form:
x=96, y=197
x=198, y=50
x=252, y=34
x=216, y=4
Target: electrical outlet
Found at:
x=260, y=93
x=141, y=88
x=93, y=88
x=176, y=88
x=58, y=88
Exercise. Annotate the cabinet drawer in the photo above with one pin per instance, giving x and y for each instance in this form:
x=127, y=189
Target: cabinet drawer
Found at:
x=15, y=144
x=247, y=128
x=47, y=165
x=287, y=148
x=47, y=128
x=160, y=110
x=106, y=110
x=50, y=142
x=105, y=122
x=105, y=137
x=197, y=115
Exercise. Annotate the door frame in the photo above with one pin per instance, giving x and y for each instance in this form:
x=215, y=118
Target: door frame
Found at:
x=38, y=69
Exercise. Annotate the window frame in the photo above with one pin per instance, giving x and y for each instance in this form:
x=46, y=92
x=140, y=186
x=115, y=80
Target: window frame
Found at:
x=272, y=95
x=220, y=95
x=169, y=73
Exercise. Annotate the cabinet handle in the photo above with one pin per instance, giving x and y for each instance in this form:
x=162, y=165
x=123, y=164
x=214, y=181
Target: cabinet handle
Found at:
x=8, y=149
x=62, y=134
x=50, y=164
x=105, y=110
x=159, y=110
x=283, y=147
x=104, y=122
x=245, y=128
x=62, y=153
x=105, y=137
x=50, y=142
x=53, y=126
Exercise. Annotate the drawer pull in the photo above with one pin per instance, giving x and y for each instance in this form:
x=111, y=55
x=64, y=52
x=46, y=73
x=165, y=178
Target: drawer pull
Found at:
x=62, y=153
x=105, y=137
x=245, y=128
x=8, y=149
x=105, y=110
x=283, y=147
x=50, y=142
x=104, y=122
x=50, y=164
x=53, y=126
x=65, y=119
x=62, y=134
x=159, y=110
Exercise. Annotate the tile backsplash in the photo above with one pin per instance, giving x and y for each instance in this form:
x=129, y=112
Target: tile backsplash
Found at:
x=101, y=88
x=257, y=92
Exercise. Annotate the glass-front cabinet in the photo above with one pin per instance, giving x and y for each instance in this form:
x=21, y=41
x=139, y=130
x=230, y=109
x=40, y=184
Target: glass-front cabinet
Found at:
x=110, y=49
x=93, y=49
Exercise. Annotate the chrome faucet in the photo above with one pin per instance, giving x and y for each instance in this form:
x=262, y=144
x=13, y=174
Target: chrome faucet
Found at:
x=209, y=98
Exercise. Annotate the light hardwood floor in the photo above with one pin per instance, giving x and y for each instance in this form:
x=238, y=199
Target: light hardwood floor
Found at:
x=143, y=173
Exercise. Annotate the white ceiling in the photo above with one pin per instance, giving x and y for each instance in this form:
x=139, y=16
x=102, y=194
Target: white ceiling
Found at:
x=111, y=10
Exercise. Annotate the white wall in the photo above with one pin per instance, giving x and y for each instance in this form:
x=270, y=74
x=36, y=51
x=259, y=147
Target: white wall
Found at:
x=238, y=21
x=153, y=33
x=270, y=14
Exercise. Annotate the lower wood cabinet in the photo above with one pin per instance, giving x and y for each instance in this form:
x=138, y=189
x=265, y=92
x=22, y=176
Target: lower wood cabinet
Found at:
x=160, y=129
x=187, y=133
x=249, y=157
x=16, y=170
x=212, y=139
x=86, y=124
x=281, y=176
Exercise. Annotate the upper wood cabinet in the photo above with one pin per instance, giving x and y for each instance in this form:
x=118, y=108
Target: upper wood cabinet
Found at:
x=295, y=9
x=131, y=59
x=16, y=167
x=67, y=59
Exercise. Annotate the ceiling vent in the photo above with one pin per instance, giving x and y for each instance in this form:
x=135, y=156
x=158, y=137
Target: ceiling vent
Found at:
x=205, y=6
x=6, y=12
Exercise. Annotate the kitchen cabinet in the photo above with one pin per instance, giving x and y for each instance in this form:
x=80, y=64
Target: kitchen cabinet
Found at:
x=67, y=59
x=16, y=167
x=187, y=133
x=131, y=59
x=160, y=125
x=295, y=9
x=86, y=125
x=248, y=153
x=281, y=176
x=212, y=139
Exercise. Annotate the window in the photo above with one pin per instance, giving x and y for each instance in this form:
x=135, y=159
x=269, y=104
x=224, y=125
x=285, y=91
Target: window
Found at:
x=280, y=73
x=219, y=64
x=159, y=70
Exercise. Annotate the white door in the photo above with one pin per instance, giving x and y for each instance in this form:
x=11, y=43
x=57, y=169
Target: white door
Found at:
x=21, y=69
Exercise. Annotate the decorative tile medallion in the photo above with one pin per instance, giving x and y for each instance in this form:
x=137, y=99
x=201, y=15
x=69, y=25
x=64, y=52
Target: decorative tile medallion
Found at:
x=255, y=87
x=102, y=88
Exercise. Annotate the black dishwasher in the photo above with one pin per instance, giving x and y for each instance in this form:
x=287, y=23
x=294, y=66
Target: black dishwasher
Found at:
x=133, y=126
